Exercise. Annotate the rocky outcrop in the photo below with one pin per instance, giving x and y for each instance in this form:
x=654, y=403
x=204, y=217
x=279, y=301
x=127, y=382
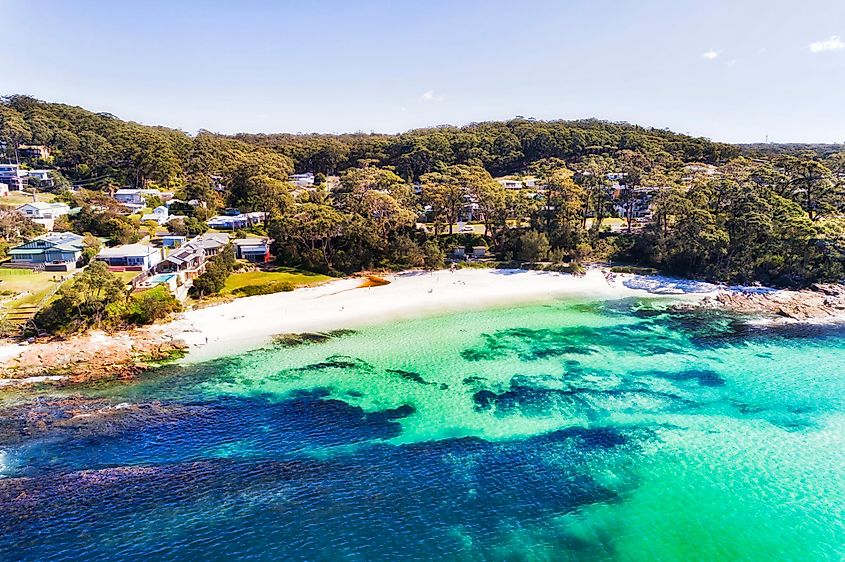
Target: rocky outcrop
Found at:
x=81, y=417
x=89, y=358
x=821, y=301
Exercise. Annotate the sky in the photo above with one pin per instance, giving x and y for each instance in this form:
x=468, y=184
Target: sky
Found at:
x=734, y=71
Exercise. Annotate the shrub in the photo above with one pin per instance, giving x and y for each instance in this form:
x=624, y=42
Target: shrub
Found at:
x=149, y=306
x=217, y=270
x=533, y=246
x=265, y=289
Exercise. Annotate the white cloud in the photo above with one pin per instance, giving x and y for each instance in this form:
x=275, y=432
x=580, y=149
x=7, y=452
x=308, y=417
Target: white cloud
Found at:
x=732, y=62
x=430, y=96
x=832, y=44
x=710, y=55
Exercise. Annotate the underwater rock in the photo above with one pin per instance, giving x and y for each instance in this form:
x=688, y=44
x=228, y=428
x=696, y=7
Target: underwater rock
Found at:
x=305, y=338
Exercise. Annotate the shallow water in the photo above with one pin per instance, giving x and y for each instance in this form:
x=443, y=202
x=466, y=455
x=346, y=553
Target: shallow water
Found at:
x=567, y=431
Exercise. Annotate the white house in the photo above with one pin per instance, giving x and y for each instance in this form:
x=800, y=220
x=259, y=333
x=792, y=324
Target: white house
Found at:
x=42, y=210
x=302, y=180
x=136, y=199
x=510, y=184
x=13, y=176
x=231, y=222
x=160, y=215
x=138, y=257
x=41, y=177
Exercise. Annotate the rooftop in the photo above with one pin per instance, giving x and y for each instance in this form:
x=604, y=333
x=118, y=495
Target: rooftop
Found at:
x=127, y=250
x=41, y=205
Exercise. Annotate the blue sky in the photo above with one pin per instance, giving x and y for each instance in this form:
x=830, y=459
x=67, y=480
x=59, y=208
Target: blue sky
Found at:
x=728, y=70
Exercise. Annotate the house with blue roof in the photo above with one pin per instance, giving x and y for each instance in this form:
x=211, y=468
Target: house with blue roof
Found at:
x=61, y=249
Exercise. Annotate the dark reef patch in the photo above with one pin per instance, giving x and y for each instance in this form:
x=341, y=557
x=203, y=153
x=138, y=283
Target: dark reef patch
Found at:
x=703, y=377
x=376, y=502
x=534, y=344
x=338, y=362
x=410, y=376
x=77, y=417
x=261, y=426
x=333, y=362
x=305, y=338
x=589, y=438
x=522, y=397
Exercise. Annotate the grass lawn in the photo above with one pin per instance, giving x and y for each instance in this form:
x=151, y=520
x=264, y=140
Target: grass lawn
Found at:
x=268, y=279
x=127, y=276
x=16, y=198
x=608, y=222
x=37, y=285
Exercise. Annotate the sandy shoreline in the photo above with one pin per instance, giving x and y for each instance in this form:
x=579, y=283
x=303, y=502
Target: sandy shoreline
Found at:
x=251, y=322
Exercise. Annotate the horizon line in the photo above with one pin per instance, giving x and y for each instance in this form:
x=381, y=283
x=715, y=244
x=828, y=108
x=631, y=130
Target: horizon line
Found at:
x=437, y=126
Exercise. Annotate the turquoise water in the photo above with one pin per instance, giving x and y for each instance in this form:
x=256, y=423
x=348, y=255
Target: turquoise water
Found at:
x=565, y=431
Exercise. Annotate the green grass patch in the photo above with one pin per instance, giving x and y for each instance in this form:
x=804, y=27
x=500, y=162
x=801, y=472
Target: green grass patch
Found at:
x=634, y=270
x=127, y=276
x=35, y=285
x=250, y=283
x=16, y=198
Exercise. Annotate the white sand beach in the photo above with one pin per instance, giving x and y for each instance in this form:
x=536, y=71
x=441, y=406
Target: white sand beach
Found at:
x=251, y=322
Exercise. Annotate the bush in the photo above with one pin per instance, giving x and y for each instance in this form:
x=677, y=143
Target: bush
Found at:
x=149, y=306
x=216, y=272
x=96, y=298
x=633, y=270
x=533, y=246
x=265, y=289
x=433, y=256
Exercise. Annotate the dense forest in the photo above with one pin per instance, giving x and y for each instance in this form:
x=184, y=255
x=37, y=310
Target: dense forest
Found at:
x=716, y=211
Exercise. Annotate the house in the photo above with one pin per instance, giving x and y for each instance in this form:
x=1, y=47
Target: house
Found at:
x=459, y=252
x=172, y=240
x=13, y=176
x=635, y=203
x=218, y=182
x=40, y=177
x=184, y=264
x=232, y=222
x=302, y=180
x=131, y=257
x=479, y=251
x=34, y=152
x=136, y=199
x=509, y=183
x=58, y=251
x=128, y=196
x=211, y=242
x=42, y=210
x=256, y=250
x=188, y=261
x=160, y=215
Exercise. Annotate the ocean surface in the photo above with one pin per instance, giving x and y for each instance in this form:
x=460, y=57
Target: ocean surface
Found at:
x=573, y=430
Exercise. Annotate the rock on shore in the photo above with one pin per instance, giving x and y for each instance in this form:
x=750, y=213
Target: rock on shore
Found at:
x=819, y=302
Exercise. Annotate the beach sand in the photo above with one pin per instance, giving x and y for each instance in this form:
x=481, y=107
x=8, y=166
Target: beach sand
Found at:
x=251, y=322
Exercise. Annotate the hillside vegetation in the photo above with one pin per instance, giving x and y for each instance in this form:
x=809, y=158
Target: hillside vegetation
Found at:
x=706, y=209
